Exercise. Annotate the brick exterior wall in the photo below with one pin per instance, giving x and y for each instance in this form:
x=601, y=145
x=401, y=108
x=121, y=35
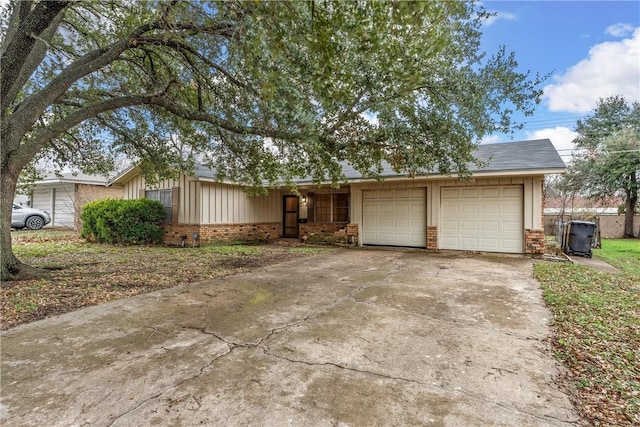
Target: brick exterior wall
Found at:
x=432, y=238
x=221, y=232
x=85, y=193
x=173, y=232
x=534, y=241
x=309, y=228
x=352, y=231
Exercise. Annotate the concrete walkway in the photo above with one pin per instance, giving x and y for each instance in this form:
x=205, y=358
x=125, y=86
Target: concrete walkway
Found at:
x=357, y=337
x=595, y=263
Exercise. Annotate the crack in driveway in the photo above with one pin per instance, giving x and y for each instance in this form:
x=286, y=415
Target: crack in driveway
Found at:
x=329, y=348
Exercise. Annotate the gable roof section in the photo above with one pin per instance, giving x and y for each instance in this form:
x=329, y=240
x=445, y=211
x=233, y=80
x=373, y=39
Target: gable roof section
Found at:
x=521, y=157
x=71, y=178
x=533, y=155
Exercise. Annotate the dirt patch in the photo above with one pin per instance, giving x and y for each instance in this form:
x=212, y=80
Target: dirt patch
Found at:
x=358, y=337
x=80, y=274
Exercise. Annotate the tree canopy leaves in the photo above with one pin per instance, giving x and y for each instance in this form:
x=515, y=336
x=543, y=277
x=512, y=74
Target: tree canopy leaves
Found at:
x=323, y=81
x=608, y=164
x=262, y=91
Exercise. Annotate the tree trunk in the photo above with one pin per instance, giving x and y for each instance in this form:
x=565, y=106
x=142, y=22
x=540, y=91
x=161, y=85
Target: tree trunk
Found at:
x=629, y=211
x=630, y=205
x=10, y=264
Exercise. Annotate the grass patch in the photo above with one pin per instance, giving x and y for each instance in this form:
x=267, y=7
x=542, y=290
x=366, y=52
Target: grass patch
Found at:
x=621, y=253
x=83, y=274
x=597, y=317
x=233, y=249
x=311, y=250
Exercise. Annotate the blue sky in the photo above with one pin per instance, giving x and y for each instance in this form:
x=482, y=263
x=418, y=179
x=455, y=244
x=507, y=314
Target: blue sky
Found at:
x=592, y=49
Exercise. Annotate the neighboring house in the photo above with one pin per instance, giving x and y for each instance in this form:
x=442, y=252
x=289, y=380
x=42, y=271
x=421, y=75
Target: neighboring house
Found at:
x=498, y=210
x=21, y=199
x=64, y=196
x=569, y=206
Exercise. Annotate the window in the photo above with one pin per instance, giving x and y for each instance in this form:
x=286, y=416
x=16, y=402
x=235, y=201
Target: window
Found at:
x=340, y=208
x=330, y=207
x=164, y=197
x=323, y=208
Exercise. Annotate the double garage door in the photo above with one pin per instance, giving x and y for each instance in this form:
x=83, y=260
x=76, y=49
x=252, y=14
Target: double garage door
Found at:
x=472, y=218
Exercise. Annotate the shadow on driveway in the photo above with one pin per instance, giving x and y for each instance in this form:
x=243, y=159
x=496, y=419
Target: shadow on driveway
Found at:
x=356, y=337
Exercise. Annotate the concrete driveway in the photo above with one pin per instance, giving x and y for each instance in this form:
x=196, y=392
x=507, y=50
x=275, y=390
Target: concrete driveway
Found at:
x=357, y=337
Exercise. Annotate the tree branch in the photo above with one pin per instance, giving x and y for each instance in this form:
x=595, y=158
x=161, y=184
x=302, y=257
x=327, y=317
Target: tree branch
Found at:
x=33, y=60
x=183, y=47
x=27, y=112
x=49, y=133
x=182, y=111
x=18, y=49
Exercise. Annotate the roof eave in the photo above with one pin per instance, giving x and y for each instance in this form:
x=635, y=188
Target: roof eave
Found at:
x=481, y=174
x=215, y=181
x=68, y=181
x=125, y=176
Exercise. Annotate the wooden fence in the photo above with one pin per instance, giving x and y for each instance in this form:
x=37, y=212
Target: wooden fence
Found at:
x=610, y=226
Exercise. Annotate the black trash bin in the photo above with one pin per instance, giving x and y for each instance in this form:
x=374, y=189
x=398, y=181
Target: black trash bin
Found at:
x=580, y=237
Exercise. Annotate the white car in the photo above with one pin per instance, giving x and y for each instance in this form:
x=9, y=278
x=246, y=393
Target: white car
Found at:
x=33, y=219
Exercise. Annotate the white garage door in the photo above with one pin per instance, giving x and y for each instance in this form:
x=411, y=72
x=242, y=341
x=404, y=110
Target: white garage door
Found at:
x=485, y=219
x=395, y=217
x=58, y=202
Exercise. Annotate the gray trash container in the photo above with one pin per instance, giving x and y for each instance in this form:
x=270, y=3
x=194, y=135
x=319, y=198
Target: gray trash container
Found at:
x=580, y=237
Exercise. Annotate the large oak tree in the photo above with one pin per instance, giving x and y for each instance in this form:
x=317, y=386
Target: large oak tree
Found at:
x=263, y=91
x=608, y=161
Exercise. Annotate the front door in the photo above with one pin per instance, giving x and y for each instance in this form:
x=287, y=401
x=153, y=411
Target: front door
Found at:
x=290, y=216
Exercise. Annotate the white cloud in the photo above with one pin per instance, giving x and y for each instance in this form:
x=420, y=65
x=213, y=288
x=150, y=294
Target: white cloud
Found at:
x=491, y=139
x=561, y=137
x=612, y=68
x=498, y=15
x=620, y=30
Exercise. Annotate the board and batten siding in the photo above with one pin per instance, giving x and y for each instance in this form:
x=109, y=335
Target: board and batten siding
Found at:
x=228, y=204
x=131, y=189
x=212, y=203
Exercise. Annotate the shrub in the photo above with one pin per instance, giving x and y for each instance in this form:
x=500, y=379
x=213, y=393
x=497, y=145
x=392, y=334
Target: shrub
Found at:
x=123, y=221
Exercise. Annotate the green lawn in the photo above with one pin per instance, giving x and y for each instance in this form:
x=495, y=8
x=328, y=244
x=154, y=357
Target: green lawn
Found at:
x=597, y=317
x=621, y=253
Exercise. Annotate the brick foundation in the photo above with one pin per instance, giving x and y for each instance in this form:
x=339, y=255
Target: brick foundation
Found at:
x=173, y=232
x=310, y=228
x=533, y=241
x=352, y=232
x=222, y=232
x=432, y=238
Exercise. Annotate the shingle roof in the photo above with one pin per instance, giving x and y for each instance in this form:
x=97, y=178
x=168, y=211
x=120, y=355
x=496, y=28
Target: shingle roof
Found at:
x=71, y=177
x=537, y=154
x=519, y=156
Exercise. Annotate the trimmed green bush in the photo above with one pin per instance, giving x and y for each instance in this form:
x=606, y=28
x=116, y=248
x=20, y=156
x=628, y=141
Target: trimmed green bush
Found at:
x=124, y=222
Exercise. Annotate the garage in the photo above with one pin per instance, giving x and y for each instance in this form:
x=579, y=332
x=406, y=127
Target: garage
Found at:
x=488, y=219
x=58, y=202
x=394, y=217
